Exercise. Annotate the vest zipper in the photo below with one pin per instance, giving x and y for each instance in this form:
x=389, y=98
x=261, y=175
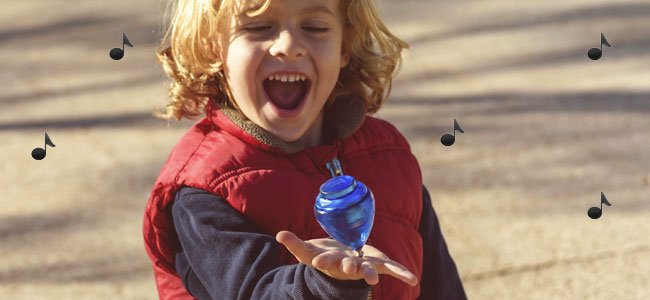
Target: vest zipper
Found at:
x=370, y=295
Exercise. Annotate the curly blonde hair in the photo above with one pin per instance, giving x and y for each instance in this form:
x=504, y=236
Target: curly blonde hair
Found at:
x=190, y=55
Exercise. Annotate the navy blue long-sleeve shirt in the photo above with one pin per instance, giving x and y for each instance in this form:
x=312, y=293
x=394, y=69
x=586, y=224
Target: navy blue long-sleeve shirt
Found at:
x=224, y=256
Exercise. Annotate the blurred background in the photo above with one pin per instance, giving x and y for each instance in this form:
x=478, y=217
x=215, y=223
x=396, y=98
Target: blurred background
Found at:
x=546, y=130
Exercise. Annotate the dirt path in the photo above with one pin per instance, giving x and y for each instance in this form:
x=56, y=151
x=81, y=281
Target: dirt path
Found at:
x=546, y=129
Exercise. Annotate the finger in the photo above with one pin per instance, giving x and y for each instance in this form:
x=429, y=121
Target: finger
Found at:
x=326, y=260
x=304, y=252
x=369, y=273
x=397, y=270
x=349, y=266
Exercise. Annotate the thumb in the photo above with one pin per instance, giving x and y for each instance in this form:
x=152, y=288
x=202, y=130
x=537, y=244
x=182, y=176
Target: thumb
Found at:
x=303, y=251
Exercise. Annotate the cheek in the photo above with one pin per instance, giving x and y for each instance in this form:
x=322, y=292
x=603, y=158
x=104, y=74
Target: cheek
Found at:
x=242, y=62
x=331, y=50
x=329, y=54
x=329, y=61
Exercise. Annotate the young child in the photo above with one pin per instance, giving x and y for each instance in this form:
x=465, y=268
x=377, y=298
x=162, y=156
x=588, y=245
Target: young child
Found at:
x=287, y=86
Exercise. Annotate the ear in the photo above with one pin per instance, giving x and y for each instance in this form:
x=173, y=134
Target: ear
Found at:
x=345, y=57
x=345, y=50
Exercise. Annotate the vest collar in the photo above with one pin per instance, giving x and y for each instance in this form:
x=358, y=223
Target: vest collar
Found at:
x=341, y=119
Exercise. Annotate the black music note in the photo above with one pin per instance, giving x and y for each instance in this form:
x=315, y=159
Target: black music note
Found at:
x=595, y=53
x=117, y=53
x=596, y=212
x=39, y=153
x=448, y=139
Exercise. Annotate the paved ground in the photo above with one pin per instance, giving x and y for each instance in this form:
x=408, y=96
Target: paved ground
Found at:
x=546, y=129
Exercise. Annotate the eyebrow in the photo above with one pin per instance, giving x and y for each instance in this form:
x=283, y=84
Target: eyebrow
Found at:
x=308, y=10
x=319, y=8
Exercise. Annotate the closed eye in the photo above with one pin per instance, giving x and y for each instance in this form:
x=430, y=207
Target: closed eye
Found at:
x=316, y=29
x=257, y=28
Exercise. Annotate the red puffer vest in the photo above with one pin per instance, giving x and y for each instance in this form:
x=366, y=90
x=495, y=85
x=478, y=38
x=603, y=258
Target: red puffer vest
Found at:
x=274, y=184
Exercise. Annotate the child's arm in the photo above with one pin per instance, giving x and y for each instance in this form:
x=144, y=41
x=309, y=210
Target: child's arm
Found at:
x=440, y=279
x=224, y=257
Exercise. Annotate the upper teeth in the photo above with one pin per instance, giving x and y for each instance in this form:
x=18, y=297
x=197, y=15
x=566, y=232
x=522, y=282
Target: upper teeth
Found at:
x=289, y=78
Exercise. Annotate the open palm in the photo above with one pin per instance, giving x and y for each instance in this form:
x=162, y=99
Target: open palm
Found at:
x=339, y=262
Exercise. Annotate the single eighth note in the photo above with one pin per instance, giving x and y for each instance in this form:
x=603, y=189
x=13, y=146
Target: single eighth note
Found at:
x=117, y=53
x=595, y=53
x=596, y=212
x=448, y=139
x=39, y=153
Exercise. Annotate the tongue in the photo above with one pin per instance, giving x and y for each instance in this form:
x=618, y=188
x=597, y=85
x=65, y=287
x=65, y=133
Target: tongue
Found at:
x=286, y=95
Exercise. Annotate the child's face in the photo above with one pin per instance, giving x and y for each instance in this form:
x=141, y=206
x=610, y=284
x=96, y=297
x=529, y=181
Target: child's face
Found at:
x=292, y=37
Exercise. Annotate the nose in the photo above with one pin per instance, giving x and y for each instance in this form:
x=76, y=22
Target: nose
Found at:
x=288, y=44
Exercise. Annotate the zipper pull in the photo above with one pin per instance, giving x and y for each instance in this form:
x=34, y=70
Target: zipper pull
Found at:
x=334, y=166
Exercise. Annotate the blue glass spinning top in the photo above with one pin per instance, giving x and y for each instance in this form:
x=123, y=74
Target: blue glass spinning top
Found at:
x=345, y=209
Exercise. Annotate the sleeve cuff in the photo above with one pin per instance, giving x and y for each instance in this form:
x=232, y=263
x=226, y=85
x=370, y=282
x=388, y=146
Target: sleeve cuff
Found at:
x=321, y=284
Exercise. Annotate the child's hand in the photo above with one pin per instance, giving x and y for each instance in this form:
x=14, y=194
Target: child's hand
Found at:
x=337, y=261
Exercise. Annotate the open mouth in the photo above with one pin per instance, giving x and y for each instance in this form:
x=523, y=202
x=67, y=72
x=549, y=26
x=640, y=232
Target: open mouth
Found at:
x=286, y=92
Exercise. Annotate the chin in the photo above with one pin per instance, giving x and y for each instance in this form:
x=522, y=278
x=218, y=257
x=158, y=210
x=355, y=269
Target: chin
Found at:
x=288, y=137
